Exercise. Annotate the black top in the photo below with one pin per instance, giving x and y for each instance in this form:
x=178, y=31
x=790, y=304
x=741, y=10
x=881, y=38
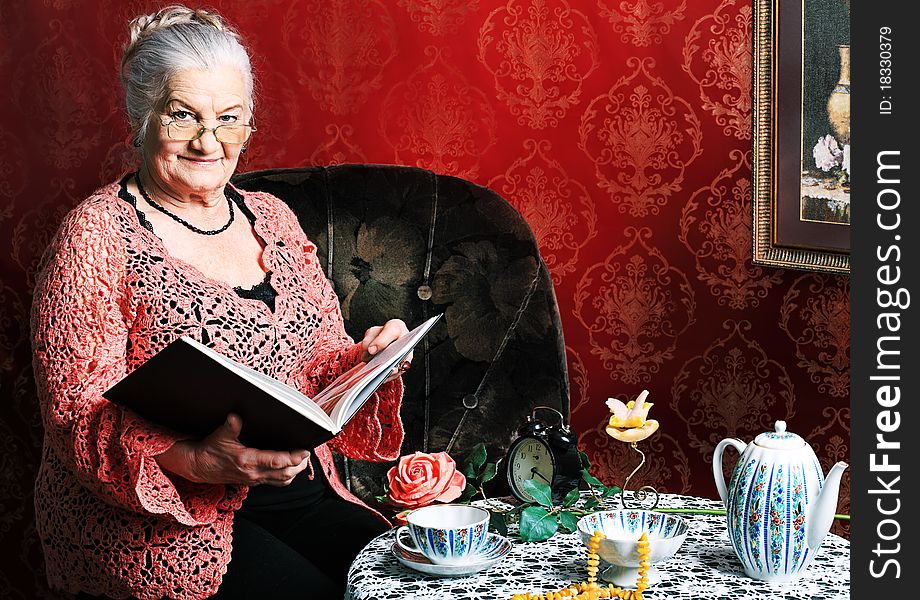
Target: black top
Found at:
x=261, y=291
x=302, y=491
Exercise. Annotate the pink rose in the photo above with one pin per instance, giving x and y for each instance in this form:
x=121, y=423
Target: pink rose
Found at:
x=420, y=479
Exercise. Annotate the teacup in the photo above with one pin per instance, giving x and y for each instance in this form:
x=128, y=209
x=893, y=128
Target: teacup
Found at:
x=447, y=534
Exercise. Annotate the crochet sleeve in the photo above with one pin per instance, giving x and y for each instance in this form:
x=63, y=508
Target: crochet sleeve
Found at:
x=375, y=433
x=79, y=340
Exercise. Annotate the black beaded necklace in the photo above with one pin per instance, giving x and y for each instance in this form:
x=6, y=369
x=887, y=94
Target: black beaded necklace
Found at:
x=179, y=219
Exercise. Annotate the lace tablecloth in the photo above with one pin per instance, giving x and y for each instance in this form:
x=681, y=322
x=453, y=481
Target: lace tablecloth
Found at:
x=704, y=567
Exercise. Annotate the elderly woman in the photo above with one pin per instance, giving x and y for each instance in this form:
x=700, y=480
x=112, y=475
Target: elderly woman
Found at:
x=127, y=508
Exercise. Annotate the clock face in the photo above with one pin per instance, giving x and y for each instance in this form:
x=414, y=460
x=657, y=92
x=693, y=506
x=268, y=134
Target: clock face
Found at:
x=530, y=459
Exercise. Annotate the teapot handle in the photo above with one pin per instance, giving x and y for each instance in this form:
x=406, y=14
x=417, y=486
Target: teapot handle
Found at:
x=717, y=473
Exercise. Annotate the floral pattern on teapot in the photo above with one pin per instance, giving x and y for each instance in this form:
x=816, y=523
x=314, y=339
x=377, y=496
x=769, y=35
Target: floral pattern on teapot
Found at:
x=775, y=503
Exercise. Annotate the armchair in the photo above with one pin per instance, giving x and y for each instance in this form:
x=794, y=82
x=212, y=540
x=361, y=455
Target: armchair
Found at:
x=403, y=242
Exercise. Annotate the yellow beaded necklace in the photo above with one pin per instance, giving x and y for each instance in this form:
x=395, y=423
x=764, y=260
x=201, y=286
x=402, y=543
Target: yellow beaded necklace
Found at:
x=590, y=590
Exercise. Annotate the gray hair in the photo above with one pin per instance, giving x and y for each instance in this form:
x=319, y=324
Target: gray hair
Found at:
x=164, y=43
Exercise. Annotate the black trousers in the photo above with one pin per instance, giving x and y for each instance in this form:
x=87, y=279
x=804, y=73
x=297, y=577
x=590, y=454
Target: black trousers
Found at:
x=296, y=553
x=287, y=550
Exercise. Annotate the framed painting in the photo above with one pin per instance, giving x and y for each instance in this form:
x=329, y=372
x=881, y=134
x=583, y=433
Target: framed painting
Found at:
x=802, y=134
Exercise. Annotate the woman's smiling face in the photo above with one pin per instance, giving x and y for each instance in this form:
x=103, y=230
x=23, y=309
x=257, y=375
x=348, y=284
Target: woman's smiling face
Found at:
x=200, y=167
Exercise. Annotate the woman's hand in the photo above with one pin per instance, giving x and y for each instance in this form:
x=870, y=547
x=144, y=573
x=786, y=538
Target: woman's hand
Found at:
x=221, y=458
x=379, y=337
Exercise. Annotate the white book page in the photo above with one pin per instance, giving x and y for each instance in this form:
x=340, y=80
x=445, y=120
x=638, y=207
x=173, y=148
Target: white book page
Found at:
x=328, y=398
x=355, y=398
x=351, y=389
x=282, y=392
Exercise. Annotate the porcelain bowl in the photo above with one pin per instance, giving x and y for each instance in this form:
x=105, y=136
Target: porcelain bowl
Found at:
x=623, y=528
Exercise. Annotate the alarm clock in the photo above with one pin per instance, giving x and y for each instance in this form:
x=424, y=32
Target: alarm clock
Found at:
x=547, y=453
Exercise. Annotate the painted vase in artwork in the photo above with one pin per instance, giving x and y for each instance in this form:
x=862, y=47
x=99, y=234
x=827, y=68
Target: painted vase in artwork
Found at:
x=838, y=105
x=779, y=505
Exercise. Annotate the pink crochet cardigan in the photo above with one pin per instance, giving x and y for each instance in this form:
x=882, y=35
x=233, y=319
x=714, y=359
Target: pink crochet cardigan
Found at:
x=109, y=296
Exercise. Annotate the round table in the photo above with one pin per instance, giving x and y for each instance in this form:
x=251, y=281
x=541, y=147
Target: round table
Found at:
x=704, y=567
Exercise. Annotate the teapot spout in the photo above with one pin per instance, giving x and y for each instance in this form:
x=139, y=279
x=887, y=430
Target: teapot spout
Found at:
x=821, y=514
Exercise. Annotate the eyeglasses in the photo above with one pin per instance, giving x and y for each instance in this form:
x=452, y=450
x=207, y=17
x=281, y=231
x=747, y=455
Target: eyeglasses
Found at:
x=187, y=131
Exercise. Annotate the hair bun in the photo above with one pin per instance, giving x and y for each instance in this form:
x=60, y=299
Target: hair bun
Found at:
x=144, y=25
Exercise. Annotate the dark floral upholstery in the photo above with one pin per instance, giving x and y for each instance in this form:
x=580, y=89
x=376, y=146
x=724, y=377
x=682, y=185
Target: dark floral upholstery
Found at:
x=402, y=242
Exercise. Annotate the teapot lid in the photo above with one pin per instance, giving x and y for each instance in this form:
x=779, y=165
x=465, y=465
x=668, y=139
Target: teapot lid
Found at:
x=779, y=438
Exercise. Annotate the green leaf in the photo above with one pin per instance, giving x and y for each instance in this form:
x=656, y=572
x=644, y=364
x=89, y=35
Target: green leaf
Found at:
x=477, y=457
x=591, y=504
x=497, y=523
x=537, y=524
x=591, y=479
x=468, y=492
x=488, y=472
x=540, y=492
x=611, y=491
x=571, y=498
x=469, y=471
x=585, y=463
x=568, y=521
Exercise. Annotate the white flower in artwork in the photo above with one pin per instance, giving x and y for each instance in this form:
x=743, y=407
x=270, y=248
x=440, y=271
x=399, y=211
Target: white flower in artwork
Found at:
x=827, y=153
x=846, y=159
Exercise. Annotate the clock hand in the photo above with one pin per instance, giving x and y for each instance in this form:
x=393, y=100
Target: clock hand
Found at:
x=534, y=471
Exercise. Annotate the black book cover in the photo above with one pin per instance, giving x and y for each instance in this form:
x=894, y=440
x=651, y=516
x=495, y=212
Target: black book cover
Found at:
x=186, y=390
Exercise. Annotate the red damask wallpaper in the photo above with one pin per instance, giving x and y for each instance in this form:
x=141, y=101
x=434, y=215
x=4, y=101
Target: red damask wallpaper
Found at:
x=621, y=130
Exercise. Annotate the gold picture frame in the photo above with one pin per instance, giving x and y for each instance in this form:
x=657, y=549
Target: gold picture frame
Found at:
x=787, y=161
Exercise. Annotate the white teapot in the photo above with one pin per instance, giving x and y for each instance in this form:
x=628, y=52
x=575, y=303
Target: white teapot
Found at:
x=779, y=504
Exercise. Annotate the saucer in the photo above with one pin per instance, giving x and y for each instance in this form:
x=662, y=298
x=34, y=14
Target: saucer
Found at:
x=495, y=549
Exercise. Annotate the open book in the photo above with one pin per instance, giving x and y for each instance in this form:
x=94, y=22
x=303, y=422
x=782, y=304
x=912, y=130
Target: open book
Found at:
x=191, y=388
